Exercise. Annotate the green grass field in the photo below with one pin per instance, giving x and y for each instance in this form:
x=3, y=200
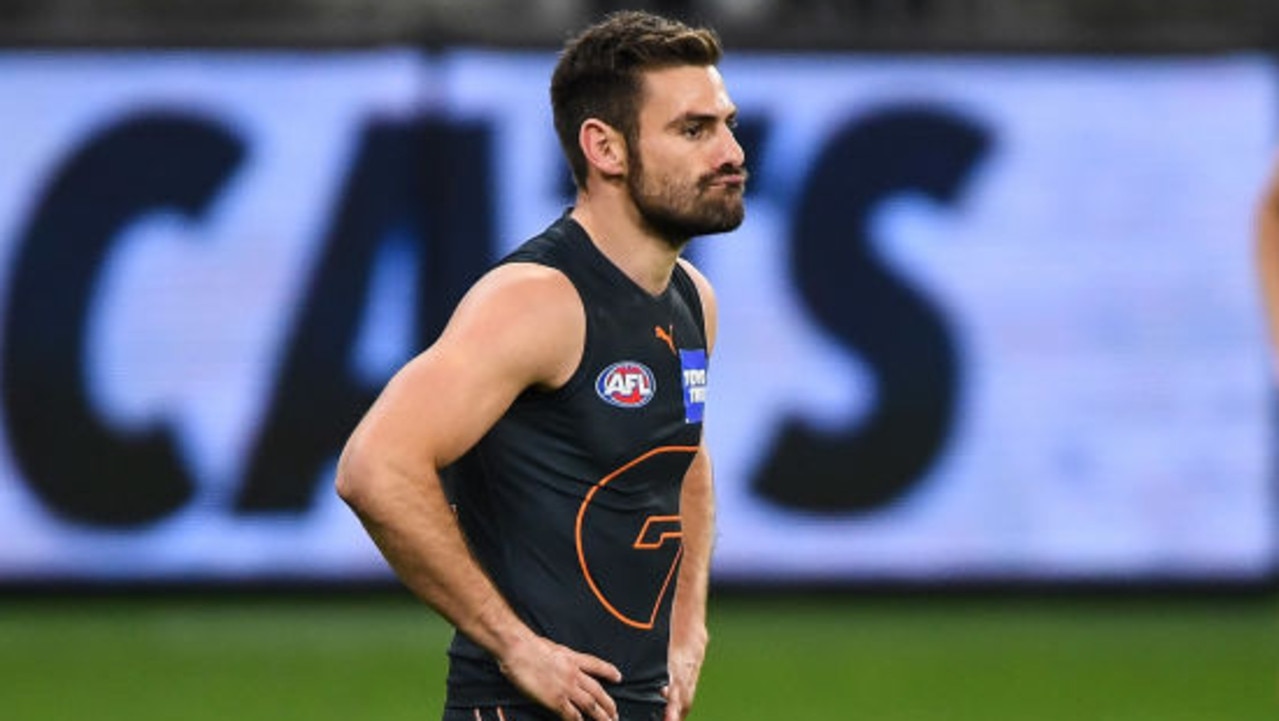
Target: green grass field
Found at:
x=830, y=659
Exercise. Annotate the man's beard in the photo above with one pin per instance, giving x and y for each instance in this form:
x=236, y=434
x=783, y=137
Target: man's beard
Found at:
x=679, y=211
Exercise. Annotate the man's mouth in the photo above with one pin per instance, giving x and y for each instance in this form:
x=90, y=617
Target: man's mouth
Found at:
x=733, y=180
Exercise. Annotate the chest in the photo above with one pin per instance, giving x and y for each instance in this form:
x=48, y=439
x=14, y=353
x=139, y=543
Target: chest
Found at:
x=641, y=384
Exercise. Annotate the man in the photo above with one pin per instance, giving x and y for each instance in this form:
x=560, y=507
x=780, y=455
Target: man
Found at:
x=538, y=475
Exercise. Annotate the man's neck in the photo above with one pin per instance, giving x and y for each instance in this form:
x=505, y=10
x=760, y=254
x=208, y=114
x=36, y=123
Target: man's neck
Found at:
x=619, y=234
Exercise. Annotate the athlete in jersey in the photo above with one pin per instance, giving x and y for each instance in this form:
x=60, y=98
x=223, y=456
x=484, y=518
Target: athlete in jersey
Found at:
x=587, y=478
x=538, y=474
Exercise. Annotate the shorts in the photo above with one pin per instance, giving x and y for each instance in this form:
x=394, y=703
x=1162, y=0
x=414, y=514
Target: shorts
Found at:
x=627, y=710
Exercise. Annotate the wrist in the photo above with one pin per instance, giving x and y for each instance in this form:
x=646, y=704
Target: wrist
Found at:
x=499, y=631
x=691, y=640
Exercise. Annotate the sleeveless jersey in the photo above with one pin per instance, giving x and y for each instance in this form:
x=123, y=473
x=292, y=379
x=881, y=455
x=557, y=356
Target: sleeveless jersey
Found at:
x=571, y=501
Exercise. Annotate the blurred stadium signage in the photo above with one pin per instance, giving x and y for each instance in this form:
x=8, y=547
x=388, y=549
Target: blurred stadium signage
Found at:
x=988, y=319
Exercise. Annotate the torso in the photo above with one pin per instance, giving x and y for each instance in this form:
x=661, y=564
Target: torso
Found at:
x=571, y=501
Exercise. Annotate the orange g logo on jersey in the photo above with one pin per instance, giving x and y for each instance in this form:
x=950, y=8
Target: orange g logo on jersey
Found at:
x=629, y=556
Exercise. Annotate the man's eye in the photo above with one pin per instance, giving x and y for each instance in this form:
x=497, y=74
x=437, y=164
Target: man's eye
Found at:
x=692, y=131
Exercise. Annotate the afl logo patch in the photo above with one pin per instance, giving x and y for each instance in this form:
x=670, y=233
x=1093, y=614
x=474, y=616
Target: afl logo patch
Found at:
x=628, y=384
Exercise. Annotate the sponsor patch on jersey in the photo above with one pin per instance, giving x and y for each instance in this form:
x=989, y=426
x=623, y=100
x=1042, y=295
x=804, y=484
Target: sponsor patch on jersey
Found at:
x=628, y=384
x=693, y=364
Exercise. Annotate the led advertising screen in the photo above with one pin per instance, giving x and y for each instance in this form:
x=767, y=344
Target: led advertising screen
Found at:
x=988, y=318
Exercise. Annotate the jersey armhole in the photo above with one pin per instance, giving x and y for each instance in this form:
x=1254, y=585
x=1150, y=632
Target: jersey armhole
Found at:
x=693, y=298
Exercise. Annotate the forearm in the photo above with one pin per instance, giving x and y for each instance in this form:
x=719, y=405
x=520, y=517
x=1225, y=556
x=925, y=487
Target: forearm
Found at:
x=697, y=518
x=412, y=524
x=689, y=636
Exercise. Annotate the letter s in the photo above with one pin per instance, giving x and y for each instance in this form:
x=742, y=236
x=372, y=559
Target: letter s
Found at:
x=897, y=330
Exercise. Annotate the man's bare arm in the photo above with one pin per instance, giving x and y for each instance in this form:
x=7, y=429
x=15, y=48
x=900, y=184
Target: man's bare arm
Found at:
x=1267, y=249
x=689, y=635
x=520, y=326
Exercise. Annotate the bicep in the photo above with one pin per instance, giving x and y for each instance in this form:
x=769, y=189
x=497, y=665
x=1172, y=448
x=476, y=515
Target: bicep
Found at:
x=437, y=407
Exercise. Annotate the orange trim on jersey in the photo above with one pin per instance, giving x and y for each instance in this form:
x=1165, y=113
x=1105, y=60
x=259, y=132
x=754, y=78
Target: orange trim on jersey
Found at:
x=665, y=536
x=581, y=553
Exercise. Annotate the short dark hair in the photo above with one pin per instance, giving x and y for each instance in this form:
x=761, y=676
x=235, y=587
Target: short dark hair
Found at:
x=599, y=73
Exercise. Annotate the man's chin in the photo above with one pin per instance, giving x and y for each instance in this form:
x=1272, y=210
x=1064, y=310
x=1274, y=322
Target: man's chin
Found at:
x=730, y=220
x=679, y=229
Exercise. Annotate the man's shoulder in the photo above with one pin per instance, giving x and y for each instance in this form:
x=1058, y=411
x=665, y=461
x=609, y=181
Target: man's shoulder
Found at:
x=704, y=288
x=527, y=314
x=524, y=284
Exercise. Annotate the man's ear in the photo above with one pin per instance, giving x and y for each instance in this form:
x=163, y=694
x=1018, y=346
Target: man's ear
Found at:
x=603, y=146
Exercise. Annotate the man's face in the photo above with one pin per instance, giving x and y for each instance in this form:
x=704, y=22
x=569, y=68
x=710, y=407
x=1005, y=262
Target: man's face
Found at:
x=686, y=173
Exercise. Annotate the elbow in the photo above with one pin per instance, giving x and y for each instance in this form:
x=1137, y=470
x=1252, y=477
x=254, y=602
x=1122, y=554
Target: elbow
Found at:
x=369, y=475
x=345, y=485
x=351, y=481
